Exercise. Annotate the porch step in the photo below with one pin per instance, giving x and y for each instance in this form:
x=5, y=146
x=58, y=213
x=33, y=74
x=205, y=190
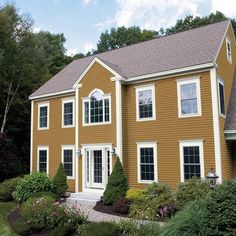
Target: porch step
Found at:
x=86, y=196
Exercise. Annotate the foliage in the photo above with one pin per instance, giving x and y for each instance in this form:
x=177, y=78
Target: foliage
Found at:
x=42, y=194
x=99, y=229
x=135, y=194
x=149, y=229
x=7, y=188
x=221, y=211
x=122, y=205
x=127, y=227
x=64, y=230
x=59, y=180
x=117, y=184
x=190, y=190
x=189, y=221
x=32, y=183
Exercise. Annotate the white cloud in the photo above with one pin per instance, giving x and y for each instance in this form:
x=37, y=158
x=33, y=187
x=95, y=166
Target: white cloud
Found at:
x=227, y=7
x=86, y=2
x=71, y=51
x=150, y=14
x=88, y=46
x=37, y=29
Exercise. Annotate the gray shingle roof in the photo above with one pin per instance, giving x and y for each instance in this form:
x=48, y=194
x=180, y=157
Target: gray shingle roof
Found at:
x=188, y=48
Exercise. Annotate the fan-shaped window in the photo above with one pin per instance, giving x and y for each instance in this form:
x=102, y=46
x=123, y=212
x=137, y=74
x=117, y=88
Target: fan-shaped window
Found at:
x=97, y=108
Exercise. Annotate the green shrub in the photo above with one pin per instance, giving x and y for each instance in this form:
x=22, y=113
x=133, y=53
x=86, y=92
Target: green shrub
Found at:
x=149, y=229
x=35, y=182
x=221, y=209
x=189, y=221
x=117, y=184
x=135, y=194
x=64, y=230
x=190, y=190
x=60, y=184
x=7, y=187
x=127, y=227
x=43, y=194
x=122, y=205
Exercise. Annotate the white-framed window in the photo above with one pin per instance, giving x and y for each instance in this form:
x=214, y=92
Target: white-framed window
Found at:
x=145, y=103
x=68, y=160
x=43, y=115
x=221, y=97
x=147, y=162
x=68, y=110
x=191, y=159
x=97, y=108
x=43, y=159
x=228, y=51
x=189, y=97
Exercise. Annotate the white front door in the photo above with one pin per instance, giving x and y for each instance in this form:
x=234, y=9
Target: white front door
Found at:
x=97, y=168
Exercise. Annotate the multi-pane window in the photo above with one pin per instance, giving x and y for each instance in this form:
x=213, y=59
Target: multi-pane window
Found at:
x=228, y=50
x=68, y=110
x=68, y=160
x=221, y=98
x=147, y=162
x=97, y=108
x=43, y=116
x=189, y=98
x=145, y=100
x=42, y=159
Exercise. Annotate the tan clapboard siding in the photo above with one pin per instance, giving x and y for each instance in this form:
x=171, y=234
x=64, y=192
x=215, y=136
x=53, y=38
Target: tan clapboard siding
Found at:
x=100, y=78
x=226, y=72
x=167, y=130
x=54, y=137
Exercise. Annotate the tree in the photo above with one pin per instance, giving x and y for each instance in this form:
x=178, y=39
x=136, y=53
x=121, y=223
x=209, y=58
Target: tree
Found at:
x=60, y=185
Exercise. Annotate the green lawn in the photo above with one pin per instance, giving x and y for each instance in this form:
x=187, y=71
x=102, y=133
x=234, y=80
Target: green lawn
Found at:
x=5, y=209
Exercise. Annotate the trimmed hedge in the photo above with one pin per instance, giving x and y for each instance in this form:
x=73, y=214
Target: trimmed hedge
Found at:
x=60, y=184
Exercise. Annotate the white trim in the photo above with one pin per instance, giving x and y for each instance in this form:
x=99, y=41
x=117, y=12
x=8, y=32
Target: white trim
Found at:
x=230, y=131
x=51, y=94
x=191, y=143
x=220, y=81
x=69, y=147
x=147, y=145
x=216, y=125
x=143, y=88
x=184, y=81
x=31, y=136
x=43, y=148
x=68, y=100
x=95, y=59
x=44, y=104
x=76, y=139
x=228, y=54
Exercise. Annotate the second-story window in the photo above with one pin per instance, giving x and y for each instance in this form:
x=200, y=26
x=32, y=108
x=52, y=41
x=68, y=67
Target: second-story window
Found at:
x=96, y=108
x=43, y=115
x=228, y=50
x=67, y=113
x=221, y=96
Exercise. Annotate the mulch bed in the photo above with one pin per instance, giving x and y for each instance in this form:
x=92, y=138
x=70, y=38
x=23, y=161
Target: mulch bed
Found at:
x=108, y=209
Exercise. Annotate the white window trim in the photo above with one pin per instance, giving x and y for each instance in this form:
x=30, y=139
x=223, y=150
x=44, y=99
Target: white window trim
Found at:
x=69, y=147
x=143, y=88
x=43, y=104
x=220, y=81
x=229, y=57
x=87, y=99
x=43, y=148
x=68, y=100
x=147, y=145
x=189, y=81
x=191, y=143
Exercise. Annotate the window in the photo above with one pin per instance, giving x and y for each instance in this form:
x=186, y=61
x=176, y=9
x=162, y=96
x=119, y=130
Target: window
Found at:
x=191, y=159
x=68, y=160
x=221, y=95
x=68, y=113
x=97, y=108
x=189, y=102
x=147, y=162
x=43, y=159
x=228, y=51
x=145, y=103
x=43, y=115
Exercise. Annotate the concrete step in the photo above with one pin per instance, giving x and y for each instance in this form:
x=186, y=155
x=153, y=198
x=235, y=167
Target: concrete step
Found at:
x=86, y=196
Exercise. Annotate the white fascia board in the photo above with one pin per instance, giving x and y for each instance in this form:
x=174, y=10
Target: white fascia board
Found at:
x=51, y=94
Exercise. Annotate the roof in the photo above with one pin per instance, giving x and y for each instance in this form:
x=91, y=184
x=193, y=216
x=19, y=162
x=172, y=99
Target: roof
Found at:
x=193, y=47
x=230, y=123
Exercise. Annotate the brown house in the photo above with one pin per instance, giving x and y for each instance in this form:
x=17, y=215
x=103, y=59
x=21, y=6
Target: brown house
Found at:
x=166, y=107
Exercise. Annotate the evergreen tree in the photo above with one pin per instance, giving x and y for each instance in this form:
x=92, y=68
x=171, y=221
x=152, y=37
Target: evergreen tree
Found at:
x=60, y=184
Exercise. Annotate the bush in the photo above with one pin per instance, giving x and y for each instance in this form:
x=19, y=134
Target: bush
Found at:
x=7, y=188
x=43, y=194
x=60, y=184
x=117, y=184
x=135, y=194
x=122, y=205
x=64, y=230
x=127, y=227
x=149, y=229
x=33, y=183
x=190, y=190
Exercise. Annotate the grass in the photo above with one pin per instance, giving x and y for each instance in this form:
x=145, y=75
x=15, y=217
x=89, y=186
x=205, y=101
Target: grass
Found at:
x=5, y=209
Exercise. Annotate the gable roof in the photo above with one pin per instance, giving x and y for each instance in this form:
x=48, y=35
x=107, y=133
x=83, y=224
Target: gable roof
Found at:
x=193, y=47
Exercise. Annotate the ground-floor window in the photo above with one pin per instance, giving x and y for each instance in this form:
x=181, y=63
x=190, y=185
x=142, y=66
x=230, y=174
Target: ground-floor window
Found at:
x=191, y=159
x=147, y=162
x=68, y=160
x=43, y=159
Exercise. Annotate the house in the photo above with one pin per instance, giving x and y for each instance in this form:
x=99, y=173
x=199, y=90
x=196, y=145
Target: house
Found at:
x=166, y=107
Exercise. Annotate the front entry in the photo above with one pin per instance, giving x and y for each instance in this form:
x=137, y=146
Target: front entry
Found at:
x=97, y=165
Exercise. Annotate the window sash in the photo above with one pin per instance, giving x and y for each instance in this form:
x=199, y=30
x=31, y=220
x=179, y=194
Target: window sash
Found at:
x=228, y=49
x=221, y=99
x=43, y=116
x=145, y=103
x=147, y=172
x=68, y=161
x=42, y=160
x=68, y=110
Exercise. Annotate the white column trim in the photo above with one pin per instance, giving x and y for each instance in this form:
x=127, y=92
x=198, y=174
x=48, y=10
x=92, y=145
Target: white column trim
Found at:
x=216, y=125
x=31, y=136
x=76, y=139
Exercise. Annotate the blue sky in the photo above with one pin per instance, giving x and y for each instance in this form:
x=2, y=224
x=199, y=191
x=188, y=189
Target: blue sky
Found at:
x=82, y=21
